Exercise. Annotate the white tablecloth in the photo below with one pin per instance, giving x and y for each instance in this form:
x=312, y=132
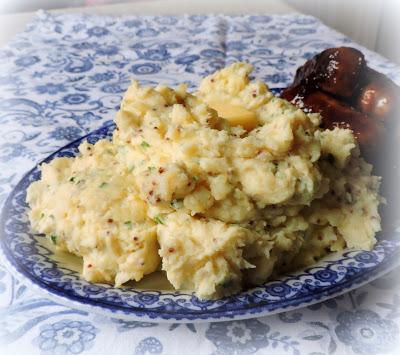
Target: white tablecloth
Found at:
x=64, y=76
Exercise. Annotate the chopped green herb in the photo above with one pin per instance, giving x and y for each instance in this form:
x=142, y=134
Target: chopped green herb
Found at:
x=159, y=219
x=349, y=197
x=280, y=175
x=195, y=178
x=144, y=144
x=303, y=187
x=151, y=168
x=103, y=184
x=176, y=204
x=53, y=239
x=72, y=179
x=41, y=215
x=128, y=224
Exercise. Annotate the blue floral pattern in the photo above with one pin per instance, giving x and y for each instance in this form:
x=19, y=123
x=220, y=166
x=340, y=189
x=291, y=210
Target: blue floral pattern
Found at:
x=50, y=88
x=247, y=337
x=124, y=326
x=64, y=76
x=66, y=337
x=366, y=332
x=149, y=346
x=244, y=337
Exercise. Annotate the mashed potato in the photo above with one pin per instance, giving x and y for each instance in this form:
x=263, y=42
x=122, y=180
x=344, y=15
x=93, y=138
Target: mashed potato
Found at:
x=225, y=187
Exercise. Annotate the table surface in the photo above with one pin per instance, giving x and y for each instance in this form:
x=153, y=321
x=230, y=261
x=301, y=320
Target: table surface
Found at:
x=11, y=24
x=43, y=69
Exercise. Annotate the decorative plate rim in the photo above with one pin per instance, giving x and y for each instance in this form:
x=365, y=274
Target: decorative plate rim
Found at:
x=261, y=308
x=65, y=301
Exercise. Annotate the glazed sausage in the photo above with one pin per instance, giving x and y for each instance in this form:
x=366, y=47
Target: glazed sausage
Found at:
x=376, y=100
x=379, y=97
x=338, y=70
x=295, y=94
x=306, y=73
x=335, y=113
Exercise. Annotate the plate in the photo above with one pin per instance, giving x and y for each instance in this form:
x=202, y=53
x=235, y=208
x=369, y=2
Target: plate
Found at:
x=33, y=261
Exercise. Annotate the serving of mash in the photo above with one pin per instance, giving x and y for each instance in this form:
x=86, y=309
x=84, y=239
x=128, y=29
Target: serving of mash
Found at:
x=222, y=189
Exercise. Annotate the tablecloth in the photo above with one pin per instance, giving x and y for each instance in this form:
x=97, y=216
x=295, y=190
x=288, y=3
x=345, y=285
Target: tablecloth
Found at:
x=64, y=76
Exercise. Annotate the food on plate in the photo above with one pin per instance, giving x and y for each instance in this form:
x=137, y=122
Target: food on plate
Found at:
x=335, y=70
x=336, y=113
x=378, y=96
x=339, y=85
x=223, y=188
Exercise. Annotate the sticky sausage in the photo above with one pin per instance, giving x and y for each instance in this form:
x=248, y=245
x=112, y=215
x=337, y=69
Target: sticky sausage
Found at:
x=338, y=70
x=335, y=113
x=379, y=97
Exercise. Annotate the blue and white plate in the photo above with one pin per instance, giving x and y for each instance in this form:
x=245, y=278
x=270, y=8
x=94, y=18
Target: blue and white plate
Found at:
x=34, y=263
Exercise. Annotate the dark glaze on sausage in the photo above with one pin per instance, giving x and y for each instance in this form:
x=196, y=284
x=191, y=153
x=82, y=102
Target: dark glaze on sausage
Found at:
x=375, y=100
x=379, y=97
x=337, y=82
x=335, y=113
x=336, y=71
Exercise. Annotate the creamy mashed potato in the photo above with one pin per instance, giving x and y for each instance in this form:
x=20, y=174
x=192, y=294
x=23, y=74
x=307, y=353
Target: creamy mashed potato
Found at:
x=225, y=187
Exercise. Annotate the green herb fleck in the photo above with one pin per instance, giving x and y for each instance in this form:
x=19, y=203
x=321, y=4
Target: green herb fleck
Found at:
x=128, y=224
x=151, y=168
x=280, y=175
x=176, y=204
x=53, y=239
x=103, y=184
x=195, y=178
x=144, y=144
x=349, y=197
x=303, y=186
x=109, y=151
x=72, y=179
x=159, y=219
x=41, y=215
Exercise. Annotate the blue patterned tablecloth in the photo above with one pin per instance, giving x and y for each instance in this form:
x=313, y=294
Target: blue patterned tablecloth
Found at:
x=64, y=76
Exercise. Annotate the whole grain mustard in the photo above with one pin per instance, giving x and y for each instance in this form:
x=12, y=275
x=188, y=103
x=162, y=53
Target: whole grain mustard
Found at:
x=223, y=187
